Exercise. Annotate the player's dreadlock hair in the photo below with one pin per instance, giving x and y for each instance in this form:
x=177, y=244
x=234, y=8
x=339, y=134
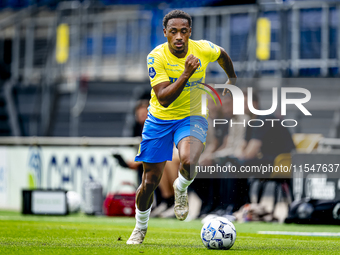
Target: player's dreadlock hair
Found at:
x=176, y=14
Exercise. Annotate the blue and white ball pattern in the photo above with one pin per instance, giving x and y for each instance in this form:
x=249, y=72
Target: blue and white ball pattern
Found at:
x=218, y=233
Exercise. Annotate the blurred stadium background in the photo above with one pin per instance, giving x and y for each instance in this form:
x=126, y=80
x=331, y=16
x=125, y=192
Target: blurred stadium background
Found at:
x=72, y=73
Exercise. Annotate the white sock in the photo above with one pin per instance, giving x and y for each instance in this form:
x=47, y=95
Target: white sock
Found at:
x=142, y=218
x=182, y=183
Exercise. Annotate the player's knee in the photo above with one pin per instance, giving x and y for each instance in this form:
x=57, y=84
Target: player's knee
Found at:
x=189, y=160
x=186, y=162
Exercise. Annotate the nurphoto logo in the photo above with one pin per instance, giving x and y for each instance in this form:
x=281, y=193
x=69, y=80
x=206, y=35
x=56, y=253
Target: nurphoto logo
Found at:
x=238, y=103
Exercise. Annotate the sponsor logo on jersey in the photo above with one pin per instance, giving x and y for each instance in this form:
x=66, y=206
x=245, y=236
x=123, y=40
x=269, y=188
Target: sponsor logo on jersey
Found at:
x=190, y=85
x=172, y=64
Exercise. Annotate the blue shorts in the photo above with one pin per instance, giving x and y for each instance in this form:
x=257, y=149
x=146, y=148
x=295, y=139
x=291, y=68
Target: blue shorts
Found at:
x=159, y=135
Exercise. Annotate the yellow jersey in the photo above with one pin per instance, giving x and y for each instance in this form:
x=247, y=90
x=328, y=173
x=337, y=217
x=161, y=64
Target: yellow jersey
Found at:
x=164, y=66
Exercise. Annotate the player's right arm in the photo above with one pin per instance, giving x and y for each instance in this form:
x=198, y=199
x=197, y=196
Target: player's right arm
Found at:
x=167, y=92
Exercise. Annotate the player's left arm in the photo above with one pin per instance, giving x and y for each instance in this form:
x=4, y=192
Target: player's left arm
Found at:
x=225, y=62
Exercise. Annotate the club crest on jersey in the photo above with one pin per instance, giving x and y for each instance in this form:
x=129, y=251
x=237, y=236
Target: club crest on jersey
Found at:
x=151, y=60
x=152, y=72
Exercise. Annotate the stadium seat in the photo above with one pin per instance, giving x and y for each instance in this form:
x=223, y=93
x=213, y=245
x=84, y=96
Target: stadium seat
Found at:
x=285, y=160
x=306, y=142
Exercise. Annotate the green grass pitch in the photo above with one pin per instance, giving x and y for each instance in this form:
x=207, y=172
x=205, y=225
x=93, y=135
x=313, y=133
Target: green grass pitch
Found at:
x=81, y=234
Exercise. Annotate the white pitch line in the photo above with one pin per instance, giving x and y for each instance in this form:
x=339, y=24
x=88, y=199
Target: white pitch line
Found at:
x=298, y=233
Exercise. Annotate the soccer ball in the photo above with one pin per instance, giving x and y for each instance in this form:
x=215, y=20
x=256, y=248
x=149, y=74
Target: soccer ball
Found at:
x=218, y=233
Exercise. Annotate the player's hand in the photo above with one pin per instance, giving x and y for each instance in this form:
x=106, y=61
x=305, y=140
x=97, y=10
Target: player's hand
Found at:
x=191, y=64
x=231, y=82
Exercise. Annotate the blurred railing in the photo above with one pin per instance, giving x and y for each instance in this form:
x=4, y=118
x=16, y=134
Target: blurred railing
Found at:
x=104, y=44
x=112, y=43
x=304, y=36
x=109, y=44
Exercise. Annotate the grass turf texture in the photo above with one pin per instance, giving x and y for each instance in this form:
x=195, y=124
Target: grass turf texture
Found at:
x=81, y=234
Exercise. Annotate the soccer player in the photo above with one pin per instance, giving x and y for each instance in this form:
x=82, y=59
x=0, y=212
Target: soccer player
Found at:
x=176, y=69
